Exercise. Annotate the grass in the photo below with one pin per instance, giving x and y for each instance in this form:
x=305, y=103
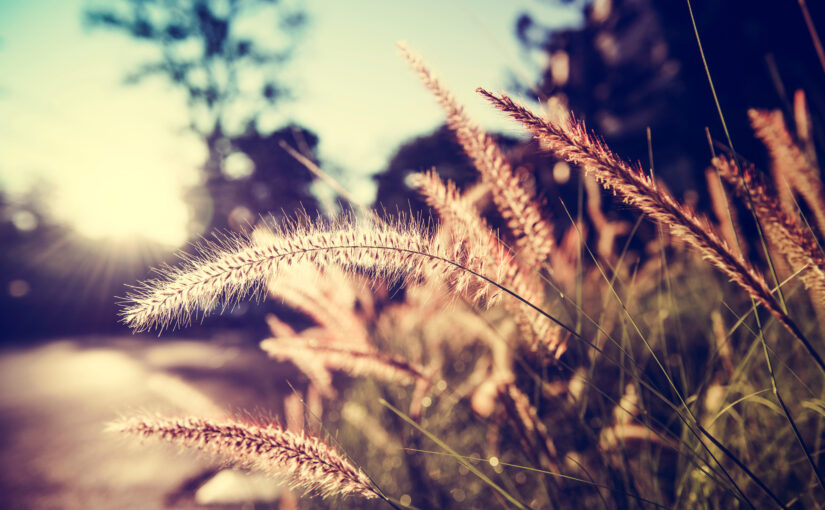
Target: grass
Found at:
x=524, y=367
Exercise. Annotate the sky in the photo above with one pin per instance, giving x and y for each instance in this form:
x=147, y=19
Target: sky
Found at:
x=72, y=126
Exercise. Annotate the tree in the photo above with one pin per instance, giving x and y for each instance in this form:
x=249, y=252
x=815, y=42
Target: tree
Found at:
x=226, y=56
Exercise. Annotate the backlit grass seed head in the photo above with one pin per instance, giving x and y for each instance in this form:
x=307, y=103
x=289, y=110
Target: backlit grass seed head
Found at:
x=306, y=462
x=222, y=275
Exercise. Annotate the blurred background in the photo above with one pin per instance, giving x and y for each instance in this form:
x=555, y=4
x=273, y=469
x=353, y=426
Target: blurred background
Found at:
x=133, y=128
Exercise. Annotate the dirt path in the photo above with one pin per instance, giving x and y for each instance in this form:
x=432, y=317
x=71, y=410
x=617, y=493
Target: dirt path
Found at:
x=56, y=399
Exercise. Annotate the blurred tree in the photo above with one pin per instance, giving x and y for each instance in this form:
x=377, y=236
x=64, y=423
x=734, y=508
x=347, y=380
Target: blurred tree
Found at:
x=226, y=56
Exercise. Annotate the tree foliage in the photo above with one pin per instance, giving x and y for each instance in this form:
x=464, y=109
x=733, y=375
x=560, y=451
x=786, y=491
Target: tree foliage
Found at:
x=226, y=55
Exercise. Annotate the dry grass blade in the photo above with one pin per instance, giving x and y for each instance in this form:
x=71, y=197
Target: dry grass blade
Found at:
x=331, y=182
x=353, y=361
x=804, y=126
x=307, y=462
x=572, y=142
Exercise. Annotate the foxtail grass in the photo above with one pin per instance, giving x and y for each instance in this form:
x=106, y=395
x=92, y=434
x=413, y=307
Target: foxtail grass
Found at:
x=306, y=462
x=458, y=214
x=464, y=371
x=391, y=250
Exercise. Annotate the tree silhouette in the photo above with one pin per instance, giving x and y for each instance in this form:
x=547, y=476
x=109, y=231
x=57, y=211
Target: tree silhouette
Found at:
x=229, y=75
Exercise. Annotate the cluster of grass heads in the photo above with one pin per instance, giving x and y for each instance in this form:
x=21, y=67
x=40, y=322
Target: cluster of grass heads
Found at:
x=529, y=368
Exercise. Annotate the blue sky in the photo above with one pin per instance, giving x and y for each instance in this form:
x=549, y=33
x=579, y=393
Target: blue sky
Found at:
x=71, y=124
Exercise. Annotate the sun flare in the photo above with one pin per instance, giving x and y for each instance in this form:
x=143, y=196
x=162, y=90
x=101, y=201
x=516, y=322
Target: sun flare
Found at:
x=115, y=207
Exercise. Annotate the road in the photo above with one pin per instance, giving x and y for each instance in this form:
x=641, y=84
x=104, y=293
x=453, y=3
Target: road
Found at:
x=56, y=398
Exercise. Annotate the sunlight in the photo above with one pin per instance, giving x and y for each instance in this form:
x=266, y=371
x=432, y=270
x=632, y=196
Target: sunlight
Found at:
x=123, y=207
x=113, y=159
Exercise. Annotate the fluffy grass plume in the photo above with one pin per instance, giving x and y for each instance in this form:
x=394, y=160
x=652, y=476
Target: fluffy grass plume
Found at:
x=223, y=274
x=332, y=298
x=307, y=462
